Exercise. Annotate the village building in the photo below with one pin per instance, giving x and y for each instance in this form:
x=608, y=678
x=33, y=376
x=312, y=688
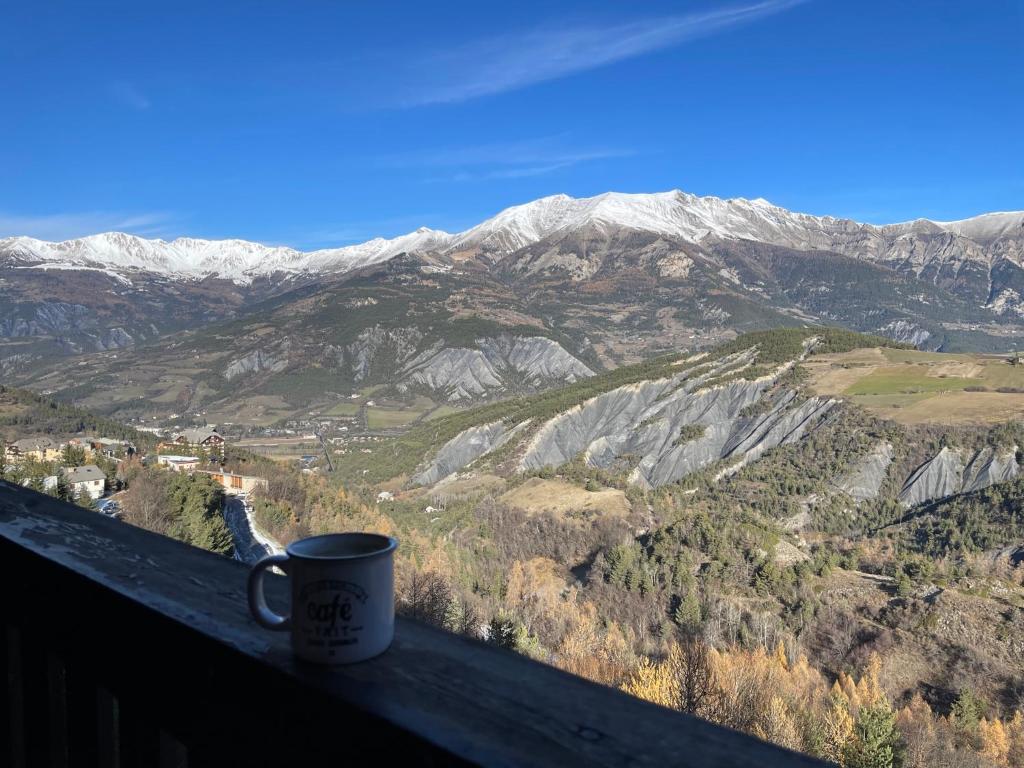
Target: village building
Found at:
x=88, y=479
x=41, y=448
x=110, y=447
x=199, y=440
x=234, y=484
x=179, y=463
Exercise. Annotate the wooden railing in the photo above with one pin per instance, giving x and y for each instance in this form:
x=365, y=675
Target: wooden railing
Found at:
x=120, y=647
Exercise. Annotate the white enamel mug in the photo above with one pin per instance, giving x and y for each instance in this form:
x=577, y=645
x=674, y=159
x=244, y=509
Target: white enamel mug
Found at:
x=343, y=596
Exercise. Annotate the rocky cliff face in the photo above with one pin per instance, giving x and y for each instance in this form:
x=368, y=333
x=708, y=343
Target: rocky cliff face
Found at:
x=643, y=424
x=864, y=480
x=254, y=362
x=497, y=364
x=954, y=471
x=465, y=448
x=988, y=467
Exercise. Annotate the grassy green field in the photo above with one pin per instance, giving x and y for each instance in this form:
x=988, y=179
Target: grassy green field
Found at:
x=344, y=409
x=384, y=418
x=910, y=381
x=924, y=387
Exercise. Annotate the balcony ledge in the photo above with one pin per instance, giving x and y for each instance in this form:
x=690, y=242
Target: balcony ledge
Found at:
x=95, y=605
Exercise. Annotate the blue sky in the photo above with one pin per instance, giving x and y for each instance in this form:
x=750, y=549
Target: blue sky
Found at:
x=322, y=123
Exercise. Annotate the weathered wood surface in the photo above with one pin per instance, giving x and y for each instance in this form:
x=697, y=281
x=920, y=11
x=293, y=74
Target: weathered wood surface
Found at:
x=93, y=605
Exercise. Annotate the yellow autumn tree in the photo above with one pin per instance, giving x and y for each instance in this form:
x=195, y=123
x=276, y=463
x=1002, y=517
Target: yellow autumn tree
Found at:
x=1015, y=734
x=777, y=725
x=780, y=656
x=654, y=682
x=994, y=741
x=515, y=586
x=836, y=725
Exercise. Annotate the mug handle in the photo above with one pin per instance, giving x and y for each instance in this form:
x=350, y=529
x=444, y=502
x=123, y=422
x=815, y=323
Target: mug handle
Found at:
x=258, y=601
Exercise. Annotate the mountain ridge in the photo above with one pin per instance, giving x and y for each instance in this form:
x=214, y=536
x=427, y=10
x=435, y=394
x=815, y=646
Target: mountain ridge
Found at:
x=674, y=214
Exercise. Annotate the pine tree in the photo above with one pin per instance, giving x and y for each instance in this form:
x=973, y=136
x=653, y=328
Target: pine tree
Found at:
x=967, y=711
x=687, y=613
x=502, y=633
x=875, y=742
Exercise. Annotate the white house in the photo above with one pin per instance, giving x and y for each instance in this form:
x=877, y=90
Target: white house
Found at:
x=178, y=463
x=88, y=479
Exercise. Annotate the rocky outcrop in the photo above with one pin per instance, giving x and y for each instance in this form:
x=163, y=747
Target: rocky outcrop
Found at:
x=905, y=331
x=601, y=427
x=940, y=476
x=950, y=471
x=49, y=318
x=465, y=448
x=254, y=362
x=114, y=338
x=864, y=480
x=643, y=421
x=536, y=358
x=729, y=435
x=990, y=466
x=502, y=363
x=377, y=350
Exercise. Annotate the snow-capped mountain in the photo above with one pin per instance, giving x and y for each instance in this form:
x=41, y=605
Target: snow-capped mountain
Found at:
x=190, y=258
x=680, y=268
x=674, y=214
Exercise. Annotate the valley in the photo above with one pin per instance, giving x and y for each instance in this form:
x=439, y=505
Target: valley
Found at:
x=608, y=431
x=545, y=292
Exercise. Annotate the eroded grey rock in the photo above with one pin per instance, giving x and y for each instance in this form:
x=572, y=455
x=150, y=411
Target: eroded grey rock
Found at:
x=949, y=472
x=255, y=361
x=114, y=338
x=376, y=348
x=499, y=363
x=906, y=332
x=864, y=480
x=940, y=476
x=990, y=466
x=645, y=420
x=465, y=448
x=52, y=317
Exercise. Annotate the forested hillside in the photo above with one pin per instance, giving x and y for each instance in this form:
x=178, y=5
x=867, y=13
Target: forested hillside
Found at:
x=709, y=532
x=24, y=413
x=725, y=533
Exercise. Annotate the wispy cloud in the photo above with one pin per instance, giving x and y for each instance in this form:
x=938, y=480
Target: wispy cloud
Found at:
x=511, y=62
x=67, y=226
x=504, y=160
x=128, y=95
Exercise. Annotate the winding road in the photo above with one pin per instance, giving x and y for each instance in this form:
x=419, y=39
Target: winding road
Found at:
x=250, y=546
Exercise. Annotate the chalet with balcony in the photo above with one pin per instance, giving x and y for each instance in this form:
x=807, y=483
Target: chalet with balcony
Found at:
x=234, y=483
x=198, y=440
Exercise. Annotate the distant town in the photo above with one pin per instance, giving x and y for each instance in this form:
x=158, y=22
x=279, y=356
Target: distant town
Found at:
x=85, y=469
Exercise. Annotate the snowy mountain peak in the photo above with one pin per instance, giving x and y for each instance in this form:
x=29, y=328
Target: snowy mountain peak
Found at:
x=675, y=214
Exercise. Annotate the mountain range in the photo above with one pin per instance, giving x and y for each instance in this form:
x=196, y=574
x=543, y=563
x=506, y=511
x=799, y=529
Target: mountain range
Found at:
x=676, y=215
x=553, y=288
